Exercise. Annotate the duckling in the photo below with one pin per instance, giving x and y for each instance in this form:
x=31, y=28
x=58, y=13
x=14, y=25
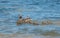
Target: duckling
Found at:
x=35, y=23
x=46, y=22
x=28, y=19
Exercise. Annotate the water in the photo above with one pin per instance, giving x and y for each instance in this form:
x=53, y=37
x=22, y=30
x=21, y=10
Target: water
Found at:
x=36, y=9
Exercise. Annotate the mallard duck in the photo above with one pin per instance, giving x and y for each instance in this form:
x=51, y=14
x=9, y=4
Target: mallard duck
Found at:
x=27, y=20
x=20, y=21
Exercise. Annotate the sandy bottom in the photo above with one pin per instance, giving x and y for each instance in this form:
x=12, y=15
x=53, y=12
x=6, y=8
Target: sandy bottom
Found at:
x=25, y=36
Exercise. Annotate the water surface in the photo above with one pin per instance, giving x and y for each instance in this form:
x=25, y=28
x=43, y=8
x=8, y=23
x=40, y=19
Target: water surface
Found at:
x=36, y=9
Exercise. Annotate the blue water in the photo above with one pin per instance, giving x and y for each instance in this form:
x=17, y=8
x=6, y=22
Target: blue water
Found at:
x=36, y=9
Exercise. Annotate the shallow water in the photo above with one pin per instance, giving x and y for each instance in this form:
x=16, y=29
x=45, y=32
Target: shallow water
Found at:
x=36, y=9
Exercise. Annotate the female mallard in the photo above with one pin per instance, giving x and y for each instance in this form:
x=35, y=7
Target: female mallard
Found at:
x=27, y=20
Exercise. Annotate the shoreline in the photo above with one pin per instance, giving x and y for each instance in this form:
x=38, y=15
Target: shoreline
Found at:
x=25, y=36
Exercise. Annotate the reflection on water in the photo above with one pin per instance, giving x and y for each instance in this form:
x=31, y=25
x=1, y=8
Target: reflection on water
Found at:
x=39, y=10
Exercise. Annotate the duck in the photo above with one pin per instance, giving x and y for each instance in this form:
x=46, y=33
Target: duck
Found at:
x=27, y=20
x=46, y=22
x=20, y=20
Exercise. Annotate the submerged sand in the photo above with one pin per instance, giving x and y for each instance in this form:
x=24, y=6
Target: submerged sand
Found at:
x=25, y=36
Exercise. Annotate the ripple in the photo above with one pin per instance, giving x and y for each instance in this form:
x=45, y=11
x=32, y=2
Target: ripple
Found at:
x=37, y=10
x=4, y=2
